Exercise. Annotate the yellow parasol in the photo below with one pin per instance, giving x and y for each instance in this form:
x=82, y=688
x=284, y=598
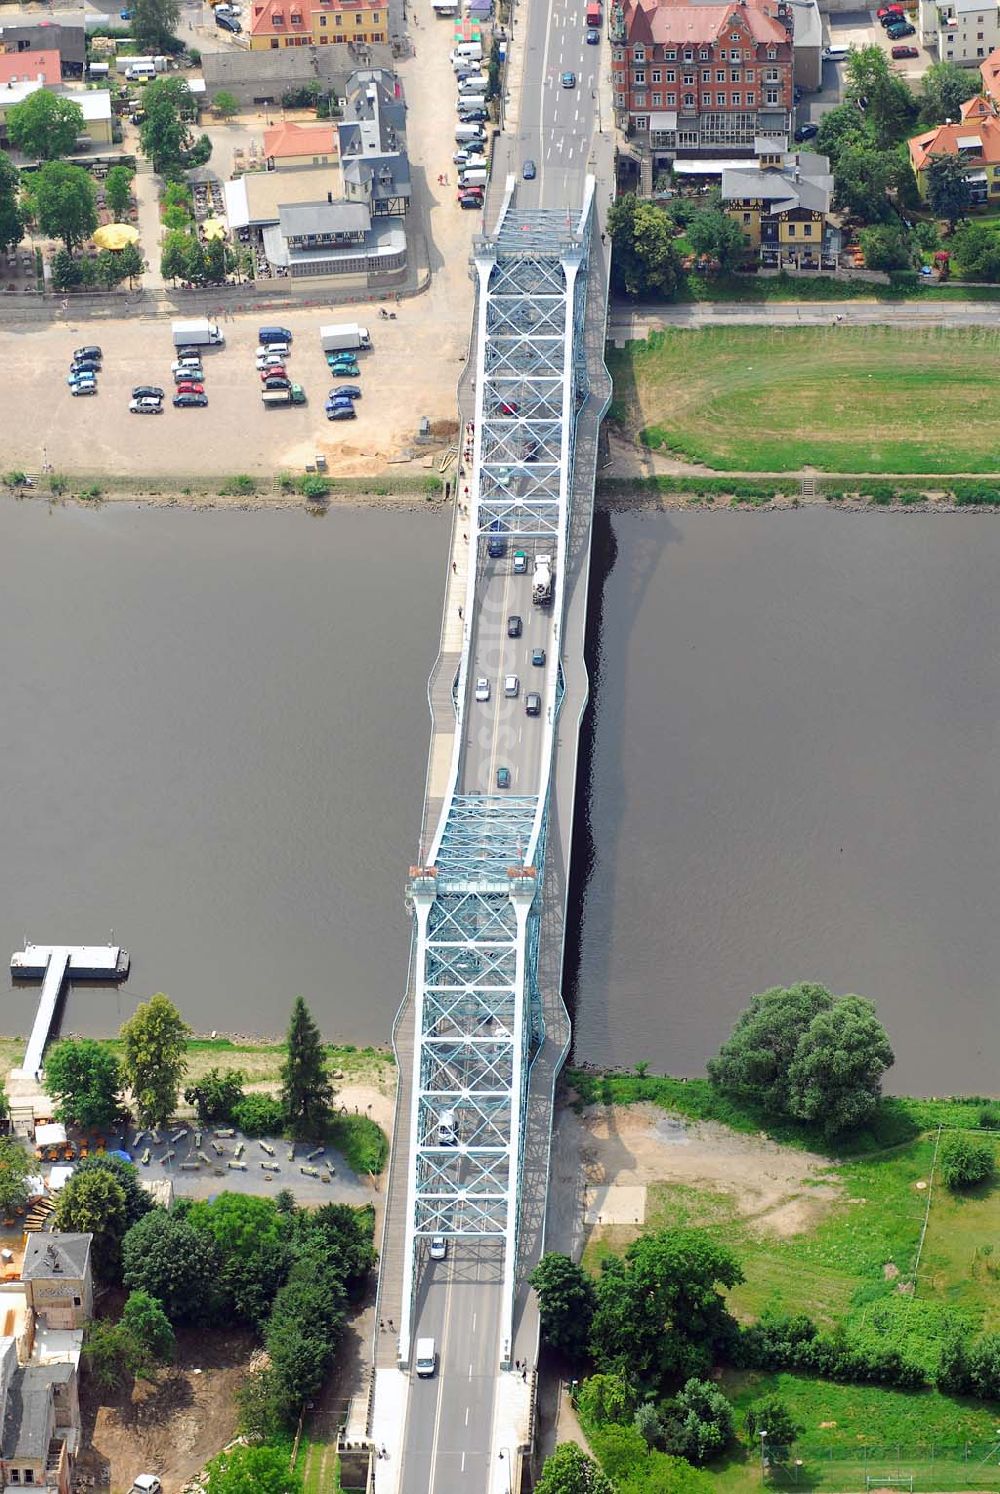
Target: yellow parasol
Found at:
x=116, y=236
x=214, y=228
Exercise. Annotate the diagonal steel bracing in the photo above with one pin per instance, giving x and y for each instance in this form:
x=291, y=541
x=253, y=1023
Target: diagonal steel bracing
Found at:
x=476, y=904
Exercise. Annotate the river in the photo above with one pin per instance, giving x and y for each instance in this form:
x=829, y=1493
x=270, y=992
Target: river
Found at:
x=214, y=733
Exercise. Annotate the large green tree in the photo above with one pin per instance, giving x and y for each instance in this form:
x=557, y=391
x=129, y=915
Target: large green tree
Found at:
x=717, y=235
x=841, y=126
x=65, y=203
x=154, y=23
x=16, y=1167
x=306, y=1091
x=341, y=1239
x=216, y=1094
x=251, y=1470
x=118, y=189
x=143, y=1317
x=976, y=249
x=167, y=1257
x=252, y=1239
x=570, y=1471
x=11, y=216
x=154, y=1043
x=165, y=136
x=94, y=1203
x=659, y=1310
x=861, y=179
x=303, y=1333
x=944, y=88
x=85, y=1077
x=948, y=191
x=880, y=94
x=645, y=260
x=566, y=1299
x=887, y=246
x=137, y=1201
x=770, y=1418
x=705, y=1419
x=45, y=126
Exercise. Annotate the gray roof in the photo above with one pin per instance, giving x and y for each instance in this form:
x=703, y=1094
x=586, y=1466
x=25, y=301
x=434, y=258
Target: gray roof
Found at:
x=302, y=218
x=807, y=24
x=284, y=68
x=35, y=33
x=389, y=176
x=780, y=189
x=26, y=1420
x=48, y=1255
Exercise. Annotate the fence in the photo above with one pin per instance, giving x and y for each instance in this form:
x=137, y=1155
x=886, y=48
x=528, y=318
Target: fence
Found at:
x=927, y=1468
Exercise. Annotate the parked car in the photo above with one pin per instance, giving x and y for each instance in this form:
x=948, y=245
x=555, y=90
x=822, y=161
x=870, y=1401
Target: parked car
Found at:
x=889, y=10
x=228, y=23
x=529, y=171
x=345, y=411
x=189, y=387
x=272, y=350
x=905, y=29
x=268, y=335
x=147, y=391
x=191, y=351
x=90, y=351
x=470, y=200
x=73, y=379
x=514, y=626
x=807, y=131
x=190, y=401
x=472, y=116
x=146, y=407
x=482, y=689
x=85, y=366
x=336, y=363
x=188, y=376
x=899, y=53
x=345, y=391
x=278, y=382
x=273, y=371
x=180, y=364
x=84, y=388
x=503, y=778
x=568, y=80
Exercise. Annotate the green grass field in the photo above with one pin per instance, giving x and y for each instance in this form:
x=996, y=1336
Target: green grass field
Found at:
x=839, y=399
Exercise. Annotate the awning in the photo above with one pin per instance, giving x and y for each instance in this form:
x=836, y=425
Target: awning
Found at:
x=666, y=120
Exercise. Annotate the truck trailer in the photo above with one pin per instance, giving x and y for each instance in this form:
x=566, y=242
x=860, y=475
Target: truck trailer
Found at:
x=335, y=339
x=541, y=581
x=296, y=395
x=199, y=333
x=594, y=15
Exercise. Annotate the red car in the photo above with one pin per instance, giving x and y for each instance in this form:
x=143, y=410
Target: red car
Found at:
x=272, y=373
x=189, y=387
x=889, y=10
x=901, y=52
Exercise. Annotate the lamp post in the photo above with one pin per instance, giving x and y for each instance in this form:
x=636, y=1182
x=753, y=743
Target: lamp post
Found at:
x=503, y=1454
x=763, y=1442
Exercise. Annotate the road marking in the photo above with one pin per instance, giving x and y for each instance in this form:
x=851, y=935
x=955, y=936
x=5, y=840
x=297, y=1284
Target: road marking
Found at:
x=440, y=1402
x=466, y=1421
x=474, y=1317
x=470, y=1371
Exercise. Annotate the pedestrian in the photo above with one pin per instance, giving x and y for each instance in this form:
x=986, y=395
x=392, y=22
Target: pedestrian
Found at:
x=391, y=1328
x=454, y=567
x=460, y=614
x=524, y=1374
x=381, y=1326
x=385, y=1452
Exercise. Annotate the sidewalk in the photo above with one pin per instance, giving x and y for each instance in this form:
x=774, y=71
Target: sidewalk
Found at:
x=146, y=187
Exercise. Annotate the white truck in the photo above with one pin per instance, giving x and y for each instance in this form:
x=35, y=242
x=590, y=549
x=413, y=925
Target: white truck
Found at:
x=541, y=581
x=335, y=339
x=199, y=333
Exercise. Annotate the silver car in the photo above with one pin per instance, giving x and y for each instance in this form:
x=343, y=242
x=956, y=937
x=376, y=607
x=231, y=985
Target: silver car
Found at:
x=439, y=1248
x=482, y=689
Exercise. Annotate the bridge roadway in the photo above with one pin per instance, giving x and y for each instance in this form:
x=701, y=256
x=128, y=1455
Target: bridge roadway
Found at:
x=464, y=1428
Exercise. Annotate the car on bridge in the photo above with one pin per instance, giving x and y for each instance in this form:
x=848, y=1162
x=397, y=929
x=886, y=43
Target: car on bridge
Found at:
x=568, y=80
x=514, y=626
x=439, y=1248
x=520, y=563
x=529, y=171
x=511, y=686
x=593, y=38
x=503, y=778
x=533, y=703
x=482, y=689
x=538, y=656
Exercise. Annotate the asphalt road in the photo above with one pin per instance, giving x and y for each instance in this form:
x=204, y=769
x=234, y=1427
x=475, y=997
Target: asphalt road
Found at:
x=635, y=321
x=448, y=1440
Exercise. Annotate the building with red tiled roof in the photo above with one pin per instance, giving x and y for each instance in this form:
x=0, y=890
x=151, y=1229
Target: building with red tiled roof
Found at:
x=692, y=79
x=989, y=71
x=30, y=67
x=317, y=23
x=975, y=140
x=287, y=146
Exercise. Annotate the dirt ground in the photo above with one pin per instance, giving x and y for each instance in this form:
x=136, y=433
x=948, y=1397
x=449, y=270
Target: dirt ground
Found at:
x=170, y=1425
x=605, y=1158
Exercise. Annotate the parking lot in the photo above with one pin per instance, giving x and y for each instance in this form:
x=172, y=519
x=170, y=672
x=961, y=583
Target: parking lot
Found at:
x=860, y=28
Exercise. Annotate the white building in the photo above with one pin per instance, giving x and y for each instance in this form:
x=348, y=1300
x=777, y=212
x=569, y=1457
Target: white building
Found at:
x=960, y=31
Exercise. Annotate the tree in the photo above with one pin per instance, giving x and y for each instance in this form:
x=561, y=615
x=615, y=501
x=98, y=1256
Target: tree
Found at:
x=707, y=1419
x=109, y=269
x=174, y=256
x=842, y=126
x=65, y=203
x=171, y=1260
x=341, y=1238
x=154, y=23
x=143, y=1317
x=566, y=1301
x=85, y=1077
x=108, y=1353
x=887, y=246
x=605, y=1398
x=306, y=1091
x=155, y=1042
x=252, y=1241
x=966, y=1160
x=770, y=1417
x=216, y=267
x=216, y=1094
x=251, y=1470
x=715, y=234
x=648, y=1424
x=259, y=1115
x=226, y=104
x=976, y=249
x=45, y=126
x=659, y=1312
x=165, y=136
x=131, y=262
x=668, y=1475
x=881, y=94
x=645, y=260
x=944, y=88
x=570, y=1471
x=118, y=189
x=137, y=1201
x=797, y=1051
x=94, y=1203
x=861, y=179
x=835, y=1079
x=11, y=216
x=16, y=1167
x=302, y=1335
x=948, y=190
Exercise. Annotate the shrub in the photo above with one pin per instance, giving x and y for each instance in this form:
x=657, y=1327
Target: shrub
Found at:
x=706, y=1418
x=313, y=486
x=241, y=486
x=259, y=1115
x=216, y=1095
x=647, y=1422
x=966, y=1160
x=605, y=1398
x=363, y=1144
x=989, y=1118
x=15, y=478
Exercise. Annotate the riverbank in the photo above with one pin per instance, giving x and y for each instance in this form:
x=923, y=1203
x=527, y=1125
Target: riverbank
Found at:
x=314, y=494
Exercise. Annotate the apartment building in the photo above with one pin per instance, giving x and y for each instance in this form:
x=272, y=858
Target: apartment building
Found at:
x=304, y=23
x=693, y=79
x=961, y=31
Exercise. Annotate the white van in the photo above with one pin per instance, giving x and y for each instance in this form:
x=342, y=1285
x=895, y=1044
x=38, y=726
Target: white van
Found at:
x=466, y=52
x=836, y=54
x=471, y=101
x=141, y=72
x=473, y=177
x=477, y=84
x=426, y=1357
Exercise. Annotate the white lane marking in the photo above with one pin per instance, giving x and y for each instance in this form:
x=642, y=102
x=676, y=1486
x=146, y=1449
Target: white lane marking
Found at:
x=474, y=1317
x=466, y=1421
x=470, y=1371
x=440, y=1404
x=463, y=1463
